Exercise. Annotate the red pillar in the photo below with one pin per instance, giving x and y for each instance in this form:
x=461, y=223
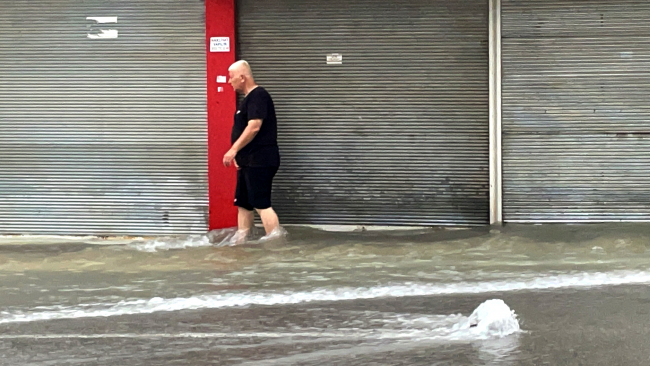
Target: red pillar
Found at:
x=220, y=22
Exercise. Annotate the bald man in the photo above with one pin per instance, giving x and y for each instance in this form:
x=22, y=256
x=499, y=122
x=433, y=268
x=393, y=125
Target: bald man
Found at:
x=254, y=152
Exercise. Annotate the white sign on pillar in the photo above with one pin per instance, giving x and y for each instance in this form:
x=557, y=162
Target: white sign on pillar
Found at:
x=219, y=44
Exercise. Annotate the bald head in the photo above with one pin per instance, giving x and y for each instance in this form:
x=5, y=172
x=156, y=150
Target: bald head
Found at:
x=242, y=67
x=241, y=77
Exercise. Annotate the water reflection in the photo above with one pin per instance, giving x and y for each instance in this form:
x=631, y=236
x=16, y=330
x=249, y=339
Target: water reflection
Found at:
x=498, y=351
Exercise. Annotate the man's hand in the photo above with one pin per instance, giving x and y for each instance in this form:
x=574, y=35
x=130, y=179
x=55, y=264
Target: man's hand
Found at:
x=247, y=136
x=229, y=158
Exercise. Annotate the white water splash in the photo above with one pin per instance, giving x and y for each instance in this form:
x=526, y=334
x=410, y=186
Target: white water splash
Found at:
x=279, y=233
x=213, y=238
x=217, y=238
x=158, y=244
x=491, y=319
x=239, y=237
x=225, y=300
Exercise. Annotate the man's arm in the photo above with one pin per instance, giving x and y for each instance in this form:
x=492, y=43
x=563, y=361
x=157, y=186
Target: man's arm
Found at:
x=247, y=136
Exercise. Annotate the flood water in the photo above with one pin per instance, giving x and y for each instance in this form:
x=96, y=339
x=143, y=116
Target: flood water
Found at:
x=580, y=295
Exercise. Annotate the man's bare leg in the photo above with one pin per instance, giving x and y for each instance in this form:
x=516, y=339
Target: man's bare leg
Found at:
x=269, y=219
x=244, y=225
x=244, y=219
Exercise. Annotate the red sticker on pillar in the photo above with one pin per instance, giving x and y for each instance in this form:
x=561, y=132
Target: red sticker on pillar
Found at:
x=220, y=35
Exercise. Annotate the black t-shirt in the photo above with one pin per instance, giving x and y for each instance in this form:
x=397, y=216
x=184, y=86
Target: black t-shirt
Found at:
x=263, y=150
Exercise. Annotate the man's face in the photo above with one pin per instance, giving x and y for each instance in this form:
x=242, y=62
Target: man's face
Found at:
x=236, y=80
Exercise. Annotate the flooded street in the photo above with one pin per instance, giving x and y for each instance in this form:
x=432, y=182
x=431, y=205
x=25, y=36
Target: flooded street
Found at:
x=580, y=295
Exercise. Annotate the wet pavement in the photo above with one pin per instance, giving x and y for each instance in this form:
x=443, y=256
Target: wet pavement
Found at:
x=580, y=294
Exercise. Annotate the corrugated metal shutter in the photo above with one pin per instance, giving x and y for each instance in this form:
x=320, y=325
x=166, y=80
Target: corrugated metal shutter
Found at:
x=576, y=86
x=102, y=136
x=398, y=133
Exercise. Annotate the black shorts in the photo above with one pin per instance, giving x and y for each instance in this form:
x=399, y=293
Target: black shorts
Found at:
x=254, y=187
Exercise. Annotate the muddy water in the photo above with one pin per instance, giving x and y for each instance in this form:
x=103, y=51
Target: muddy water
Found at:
x=579, y=293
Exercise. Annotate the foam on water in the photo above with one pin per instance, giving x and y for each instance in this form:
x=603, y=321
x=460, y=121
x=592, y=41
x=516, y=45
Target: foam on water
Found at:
x=217, y=238
x=492, y=319
x=213, y=238
x=232, y=299
x=154, y=245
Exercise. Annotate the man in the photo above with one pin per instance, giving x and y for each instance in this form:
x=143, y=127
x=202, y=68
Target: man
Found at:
x=254, y=152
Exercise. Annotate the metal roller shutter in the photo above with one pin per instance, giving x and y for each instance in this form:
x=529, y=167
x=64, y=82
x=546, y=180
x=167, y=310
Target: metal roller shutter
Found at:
x=102, y=136
x=395, y=135
x=576, y=81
